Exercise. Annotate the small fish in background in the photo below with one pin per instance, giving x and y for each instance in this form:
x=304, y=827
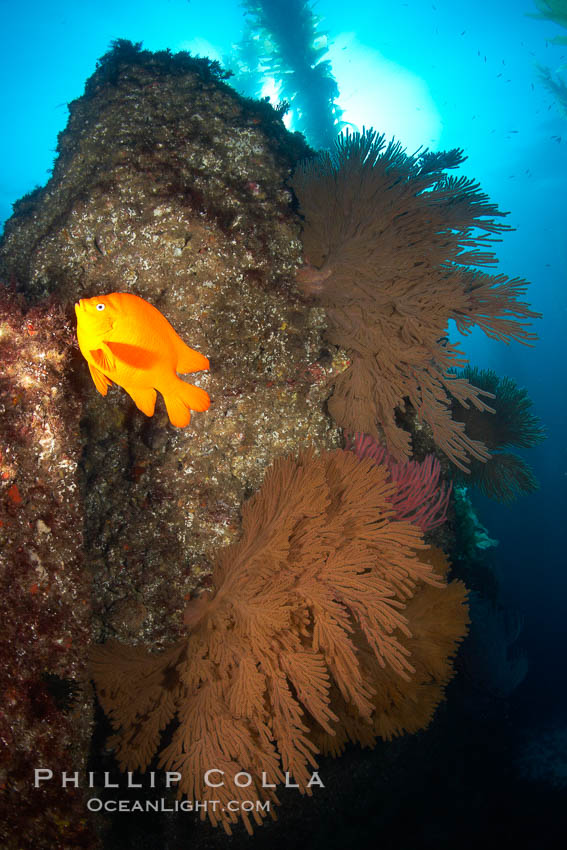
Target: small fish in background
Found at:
x=127, y=341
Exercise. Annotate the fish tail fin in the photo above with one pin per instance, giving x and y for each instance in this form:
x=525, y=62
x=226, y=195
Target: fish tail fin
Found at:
x=181, y=398
x=189, y=360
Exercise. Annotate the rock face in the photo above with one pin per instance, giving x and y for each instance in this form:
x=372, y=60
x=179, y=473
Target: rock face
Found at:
x=171, y=186
x=46, y=713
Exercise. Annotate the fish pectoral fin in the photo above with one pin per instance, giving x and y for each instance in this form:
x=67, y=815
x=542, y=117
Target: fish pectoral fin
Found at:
x=133, y=355
x=101, y=382
x=104, y=358
x=144, y=399
x=181, y=398
x=189, y=360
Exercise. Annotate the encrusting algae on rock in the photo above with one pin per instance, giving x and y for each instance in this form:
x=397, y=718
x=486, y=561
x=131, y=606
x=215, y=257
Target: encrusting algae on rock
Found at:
x=127, y=340
x=151, y=195
x=46, y=711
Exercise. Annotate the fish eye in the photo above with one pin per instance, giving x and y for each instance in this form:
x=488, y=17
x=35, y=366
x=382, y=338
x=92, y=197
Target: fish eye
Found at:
x=100, y=306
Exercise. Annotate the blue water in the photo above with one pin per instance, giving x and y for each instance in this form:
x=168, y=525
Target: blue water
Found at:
x=436, y=74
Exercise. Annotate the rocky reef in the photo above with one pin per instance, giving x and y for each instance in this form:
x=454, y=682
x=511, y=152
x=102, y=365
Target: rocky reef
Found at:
x=169, y=185
x=46, y=714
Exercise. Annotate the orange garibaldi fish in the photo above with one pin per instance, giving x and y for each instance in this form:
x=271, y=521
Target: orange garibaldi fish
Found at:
x=127, y=341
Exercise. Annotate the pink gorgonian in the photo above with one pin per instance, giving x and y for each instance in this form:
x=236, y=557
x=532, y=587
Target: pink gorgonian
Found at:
x=420, y=497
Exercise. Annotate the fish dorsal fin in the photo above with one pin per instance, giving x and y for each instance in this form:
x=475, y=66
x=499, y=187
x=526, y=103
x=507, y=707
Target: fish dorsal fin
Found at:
x=189, y=360
x=133, y=355
x=101, y=382
x=103, y=358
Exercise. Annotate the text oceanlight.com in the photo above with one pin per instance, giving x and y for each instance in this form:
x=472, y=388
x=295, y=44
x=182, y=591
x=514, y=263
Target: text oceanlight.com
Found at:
x=95, y=804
